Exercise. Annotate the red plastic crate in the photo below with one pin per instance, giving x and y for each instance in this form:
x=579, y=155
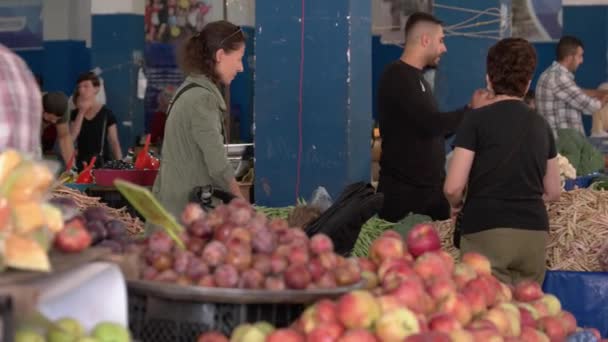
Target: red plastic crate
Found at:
x=106, y=177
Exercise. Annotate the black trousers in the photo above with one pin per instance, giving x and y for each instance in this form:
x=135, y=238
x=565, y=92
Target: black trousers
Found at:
x=401, y=199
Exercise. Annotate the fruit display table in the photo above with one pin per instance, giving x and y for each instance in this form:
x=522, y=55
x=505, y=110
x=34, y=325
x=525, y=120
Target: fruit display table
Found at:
x=585, y=294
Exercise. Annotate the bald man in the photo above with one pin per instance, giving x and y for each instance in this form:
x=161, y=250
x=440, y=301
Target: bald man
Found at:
x=413, y=130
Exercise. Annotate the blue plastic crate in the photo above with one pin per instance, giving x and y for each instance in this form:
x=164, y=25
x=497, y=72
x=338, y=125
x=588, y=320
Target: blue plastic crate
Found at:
x=580, y=182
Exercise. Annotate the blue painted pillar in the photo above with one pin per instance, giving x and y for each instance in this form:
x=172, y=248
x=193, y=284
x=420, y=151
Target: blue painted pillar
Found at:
x=311, y=129
x=462, y=69
x=594, y=34
x=117, y=42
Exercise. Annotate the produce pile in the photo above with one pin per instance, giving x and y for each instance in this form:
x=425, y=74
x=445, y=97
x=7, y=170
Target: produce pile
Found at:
x=103, y=230
x=132, y=224
x=28, y=224
x=235, y=247
x=421, y=294
x=578, y=234
x=70, y=329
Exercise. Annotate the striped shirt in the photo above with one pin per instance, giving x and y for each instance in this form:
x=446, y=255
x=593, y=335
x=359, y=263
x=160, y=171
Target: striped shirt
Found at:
x=561, y=101
x=20, y=105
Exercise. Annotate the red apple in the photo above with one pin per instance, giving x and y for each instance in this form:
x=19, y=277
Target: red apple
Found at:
x=476, y=300
x=357, y=335
x=410, y=293
x=478, y=262
x=486, y=335
x=463, y=274
x=552, y=327
x=500, y=320
x=461, y=336
x=388, y=303
x=325, y=311
x=527, y=318
x=389, y=264
x=541, y=309
x=444, y=323
x=423, y=238
x=358, y=309
x=212, y=336
x=487, y=285
x=552, y=303
x=447, y=260
x=568, y=321
x=528, y=291
x=325, y=332
x=321, y=243
x=316, y=269
x=433, y=336
x=441, y=288
x=529, y=334
x=392, y=234
x=385, y=248
x=365, y=264
x=430, y=265
x=457, y=306
x=285, y=335
x=371, y=279
x=504, y=294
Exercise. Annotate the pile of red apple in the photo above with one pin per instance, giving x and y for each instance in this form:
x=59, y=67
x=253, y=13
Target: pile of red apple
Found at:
x=422, y=295
x=235, y=247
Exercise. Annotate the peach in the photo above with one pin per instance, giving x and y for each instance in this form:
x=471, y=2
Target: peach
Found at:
x=478, y=262
x=553, y=327
x=396, y=325
x=385, y=248
x=430, y=265
x=457, y=306
x=358, y=309
x=462, y=274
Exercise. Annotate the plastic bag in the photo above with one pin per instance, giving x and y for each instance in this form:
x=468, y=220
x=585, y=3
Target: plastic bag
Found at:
x=321, y=199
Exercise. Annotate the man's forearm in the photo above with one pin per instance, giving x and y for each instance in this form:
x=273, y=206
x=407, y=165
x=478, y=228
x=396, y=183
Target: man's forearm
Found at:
x=66, y=147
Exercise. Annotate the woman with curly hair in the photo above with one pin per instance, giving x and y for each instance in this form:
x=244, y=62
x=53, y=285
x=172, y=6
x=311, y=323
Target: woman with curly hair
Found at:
x=506, y=161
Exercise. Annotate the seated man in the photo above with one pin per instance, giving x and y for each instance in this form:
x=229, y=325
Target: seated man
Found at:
x=55, y=113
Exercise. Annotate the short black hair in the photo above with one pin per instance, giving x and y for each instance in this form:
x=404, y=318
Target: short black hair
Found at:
x=89, y=76
x=420, y=17
x=55, y=103
x=567, y=46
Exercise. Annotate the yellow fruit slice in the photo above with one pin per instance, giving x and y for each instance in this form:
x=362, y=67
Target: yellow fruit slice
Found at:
x=26, y=254
x=9, y=160
x=27, y=217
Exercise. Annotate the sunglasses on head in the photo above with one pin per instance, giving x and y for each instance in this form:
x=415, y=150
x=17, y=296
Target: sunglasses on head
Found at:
x=231, y=35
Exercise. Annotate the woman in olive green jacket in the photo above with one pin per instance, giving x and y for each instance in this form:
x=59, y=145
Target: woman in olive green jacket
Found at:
x=193, y=152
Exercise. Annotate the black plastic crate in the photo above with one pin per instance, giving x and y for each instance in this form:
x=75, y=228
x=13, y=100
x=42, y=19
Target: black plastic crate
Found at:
x=7, y=326
x=161, y=312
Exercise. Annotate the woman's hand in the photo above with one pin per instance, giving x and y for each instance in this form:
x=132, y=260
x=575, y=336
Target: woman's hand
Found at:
x=454, y=211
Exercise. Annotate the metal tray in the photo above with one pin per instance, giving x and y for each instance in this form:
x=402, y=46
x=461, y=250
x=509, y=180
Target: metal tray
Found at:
x=237, y=296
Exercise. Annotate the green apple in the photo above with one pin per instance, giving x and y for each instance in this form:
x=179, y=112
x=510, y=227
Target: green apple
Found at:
x=265, y=327
x=28, y=336
x=111, y=332
x=87, y=339
x=58, y=335
x=71, y=326
x=239, y=332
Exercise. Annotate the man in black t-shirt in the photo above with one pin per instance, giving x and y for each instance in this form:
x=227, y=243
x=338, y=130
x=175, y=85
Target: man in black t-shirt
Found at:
x=413, y=131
